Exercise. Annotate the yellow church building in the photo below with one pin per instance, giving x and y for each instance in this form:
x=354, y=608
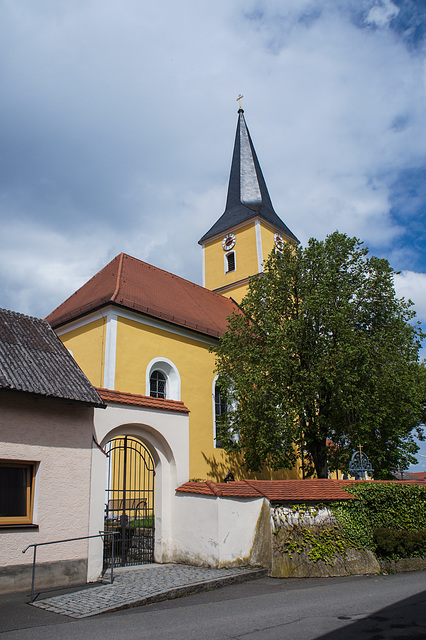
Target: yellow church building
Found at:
x=143, y=335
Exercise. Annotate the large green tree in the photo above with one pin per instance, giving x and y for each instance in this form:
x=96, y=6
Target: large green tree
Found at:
x=323, y=357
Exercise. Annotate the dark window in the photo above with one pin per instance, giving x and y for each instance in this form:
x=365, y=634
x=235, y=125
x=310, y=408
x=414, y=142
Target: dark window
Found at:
x=16, y=489
x=219, y=410
x=157, y=385
x=230, y=258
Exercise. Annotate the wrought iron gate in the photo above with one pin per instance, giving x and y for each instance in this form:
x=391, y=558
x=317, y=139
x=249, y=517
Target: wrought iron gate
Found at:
x=129, y=506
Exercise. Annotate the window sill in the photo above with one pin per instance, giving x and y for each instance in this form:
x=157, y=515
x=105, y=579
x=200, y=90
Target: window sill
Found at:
x=18, y=527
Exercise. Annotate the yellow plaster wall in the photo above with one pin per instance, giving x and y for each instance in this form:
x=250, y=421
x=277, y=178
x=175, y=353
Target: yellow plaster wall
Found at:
x=245, y=258
x=87, y=345
x=237, y=293
x=138, y=344
x=267, y=235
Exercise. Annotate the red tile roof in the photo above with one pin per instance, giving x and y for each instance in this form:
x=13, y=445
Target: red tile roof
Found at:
x=311, y=490
x=136, y=285
x=120, y=397
x=274, y=490
x=418, y=475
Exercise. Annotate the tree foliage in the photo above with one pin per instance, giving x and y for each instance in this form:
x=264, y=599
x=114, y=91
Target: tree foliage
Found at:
x=323, y=357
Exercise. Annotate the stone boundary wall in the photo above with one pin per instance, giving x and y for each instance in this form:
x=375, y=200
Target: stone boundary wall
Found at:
x=402, y=565
x=308, y=544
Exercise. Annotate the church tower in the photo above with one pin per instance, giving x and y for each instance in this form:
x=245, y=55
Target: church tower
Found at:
x=236, y=246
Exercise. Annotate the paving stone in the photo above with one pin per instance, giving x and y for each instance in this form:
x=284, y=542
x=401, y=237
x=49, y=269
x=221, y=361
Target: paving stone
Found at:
x=134, y=586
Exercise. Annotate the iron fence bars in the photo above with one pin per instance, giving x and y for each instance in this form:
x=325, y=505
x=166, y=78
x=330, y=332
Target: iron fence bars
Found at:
x=101, y=534
x=129, y=503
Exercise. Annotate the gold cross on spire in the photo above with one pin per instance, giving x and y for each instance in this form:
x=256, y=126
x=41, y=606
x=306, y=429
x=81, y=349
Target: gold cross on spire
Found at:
x=239, y=99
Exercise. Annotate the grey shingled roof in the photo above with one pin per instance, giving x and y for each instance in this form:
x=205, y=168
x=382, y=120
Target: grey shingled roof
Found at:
x=34, y=360
x=248, y=195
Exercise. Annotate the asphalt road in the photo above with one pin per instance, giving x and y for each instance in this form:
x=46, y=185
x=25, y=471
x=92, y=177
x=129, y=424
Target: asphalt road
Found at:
x=373, y=607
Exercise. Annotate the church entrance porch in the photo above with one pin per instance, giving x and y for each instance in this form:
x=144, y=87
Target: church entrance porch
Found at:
x=129, y=503
x=133, y=503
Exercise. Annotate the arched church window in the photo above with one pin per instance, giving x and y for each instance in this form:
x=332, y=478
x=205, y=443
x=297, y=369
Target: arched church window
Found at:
x=157, y=385
x=223, y=406
x=219, y=410
x=162, y=379
x=230, y=261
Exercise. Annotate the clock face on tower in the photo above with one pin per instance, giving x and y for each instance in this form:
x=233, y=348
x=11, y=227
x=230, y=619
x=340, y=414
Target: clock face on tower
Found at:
x=279, y=242
x=228, y=242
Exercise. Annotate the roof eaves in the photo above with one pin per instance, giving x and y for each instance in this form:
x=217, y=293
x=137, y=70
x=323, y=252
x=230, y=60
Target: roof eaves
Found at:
x=100, y=404
x=133, y=306
x=167, y=317
x=80, y=312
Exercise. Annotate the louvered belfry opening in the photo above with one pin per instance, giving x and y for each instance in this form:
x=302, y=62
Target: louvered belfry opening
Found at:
x=129, y=503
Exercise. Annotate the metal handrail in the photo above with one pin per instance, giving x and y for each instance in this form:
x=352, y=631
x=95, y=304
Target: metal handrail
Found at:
x=41, y=544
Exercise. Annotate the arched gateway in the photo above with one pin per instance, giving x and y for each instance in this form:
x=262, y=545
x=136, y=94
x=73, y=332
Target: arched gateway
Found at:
x=129, y=503
x=150, y=438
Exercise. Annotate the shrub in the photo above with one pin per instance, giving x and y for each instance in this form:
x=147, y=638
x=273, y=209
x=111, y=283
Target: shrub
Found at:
x=391, y=544
x=395, y=508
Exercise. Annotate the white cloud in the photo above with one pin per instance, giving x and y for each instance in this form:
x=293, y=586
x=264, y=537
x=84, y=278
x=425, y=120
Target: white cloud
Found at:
x=46, y=267
x=118, y=125
x=383, y=13
x=412, y=286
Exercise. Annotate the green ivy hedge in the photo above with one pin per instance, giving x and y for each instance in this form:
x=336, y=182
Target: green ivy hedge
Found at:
x=396, y=543
x=398, y=509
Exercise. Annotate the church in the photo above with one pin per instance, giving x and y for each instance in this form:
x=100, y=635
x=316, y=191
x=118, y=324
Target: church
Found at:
x=143, y=337
x=138, y=330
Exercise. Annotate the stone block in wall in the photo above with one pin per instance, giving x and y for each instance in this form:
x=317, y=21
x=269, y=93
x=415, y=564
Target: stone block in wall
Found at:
x=63, y=573
x=402, y=565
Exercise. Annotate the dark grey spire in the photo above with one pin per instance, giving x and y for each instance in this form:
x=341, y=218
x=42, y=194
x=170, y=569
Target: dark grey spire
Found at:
x=248, y=195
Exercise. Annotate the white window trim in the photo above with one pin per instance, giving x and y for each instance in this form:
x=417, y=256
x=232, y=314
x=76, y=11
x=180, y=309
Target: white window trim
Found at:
x=225, y=261
x=173, y=383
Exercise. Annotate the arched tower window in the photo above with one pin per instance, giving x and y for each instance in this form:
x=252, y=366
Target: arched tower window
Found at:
x=157, y=385
x=230, y=261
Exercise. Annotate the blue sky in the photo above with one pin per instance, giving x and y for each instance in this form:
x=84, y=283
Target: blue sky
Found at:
x=117, y=124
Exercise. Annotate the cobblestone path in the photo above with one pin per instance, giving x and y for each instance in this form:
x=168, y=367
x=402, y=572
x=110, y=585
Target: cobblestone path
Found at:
x=134, y=586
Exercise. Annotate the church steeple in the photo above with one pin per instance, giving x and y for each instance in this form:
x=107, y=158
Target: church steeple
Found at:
x=236, y=246
x=248, y=195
